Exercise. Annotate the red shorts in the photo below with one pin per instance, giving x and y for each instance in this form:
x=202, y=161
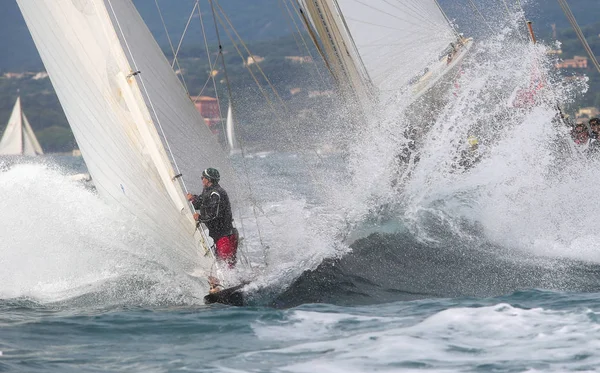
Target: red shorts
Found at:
x=227, y=249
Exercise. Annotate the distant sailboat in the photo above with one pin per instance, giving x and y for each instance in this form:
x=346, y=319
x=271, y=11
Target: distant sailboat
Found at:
x=137, y=129
x=230, y=132
x=19, y=138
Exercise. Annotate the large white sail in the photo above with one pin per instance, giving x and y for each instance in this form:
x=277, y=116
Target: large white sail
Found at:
x=18, y=137
x=135, y=125
x=396, y=39
x=380, y=44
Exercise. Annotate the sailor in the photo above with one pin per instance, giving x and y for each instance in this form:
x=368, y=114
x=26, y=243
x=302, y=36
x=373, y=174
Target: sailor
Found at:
x=579, y=134
x=594, y=135
x=594, y=124
x=215, y=212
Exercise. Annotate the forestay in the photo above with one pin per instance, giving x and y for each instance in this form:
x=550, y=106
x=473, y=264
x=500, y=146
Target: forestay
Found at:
x=135, y=125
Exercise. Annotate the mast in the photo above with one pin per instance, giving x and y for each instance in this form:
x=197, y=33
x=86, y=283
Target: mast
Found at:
x=341, y=55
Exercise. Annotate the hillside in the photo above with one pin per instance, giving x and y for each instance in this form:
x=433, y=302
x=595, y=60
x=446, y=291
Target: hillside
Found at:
x=254, y=20
x=263, y=20
x=263, y=26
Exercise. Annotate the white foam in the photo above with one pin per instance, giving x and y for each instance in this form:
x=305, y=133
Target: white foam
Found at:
x=61, y=241
x=456, y=337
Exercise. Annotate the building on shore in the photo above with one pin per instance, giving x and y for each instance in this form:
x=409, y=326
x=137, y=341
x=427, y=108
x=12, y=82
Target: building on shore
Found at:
x=209, y=109
x=586, y=113
x=577, y=62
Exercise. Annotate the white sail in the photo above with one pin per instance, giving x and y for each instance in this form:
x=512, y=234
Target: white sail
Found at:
x=380, y=44
x=230, y=130
x=31, y=146
x=396, y=39
x=135, y=125
x=18, y=137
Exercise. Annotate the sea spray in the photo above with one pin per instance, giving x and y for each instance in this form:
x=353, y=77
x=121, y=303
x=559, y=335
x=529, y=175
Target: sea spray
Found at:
x=60, y=242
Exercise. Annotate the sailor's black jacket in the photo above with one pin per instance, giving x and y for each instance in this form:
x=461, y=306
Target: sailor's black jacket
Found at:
x=215, y=211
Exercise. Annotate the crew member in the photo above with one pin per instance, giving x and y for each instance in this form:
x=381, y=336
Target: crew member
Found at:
x=215, y=212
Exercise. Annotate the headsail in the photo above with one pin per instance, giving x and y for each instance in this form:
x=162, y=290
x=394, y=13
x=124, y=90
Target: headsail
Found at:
x=18, y=137
x=385, y=43
x=396, y=39
x=135, y=125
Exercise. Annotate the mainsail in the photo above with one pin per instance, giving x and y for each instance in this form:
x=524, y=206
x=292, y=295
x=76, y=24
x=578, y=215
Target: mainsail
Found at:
x=137, y=129
x=18, y=137
x=377, y=46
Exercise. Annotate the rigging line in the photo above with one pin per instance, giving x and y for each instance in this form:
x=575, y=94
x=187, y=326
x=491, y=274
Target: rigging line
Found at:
x=277, y=114
x=573, y=23
x=302, y=38
x=210, y=63
x=385, y=26
x=248, y=51
x=414, y=10
x=397, y=17
x=418, y=11
x=260, y=87
x=288, y=24
x=254, y=203
x=197, y=97
x=184, y=31
x=175, y=60
x=151, y=104
x=505, y=6
x=481, y=15
x=579, y=32
x=448, y=20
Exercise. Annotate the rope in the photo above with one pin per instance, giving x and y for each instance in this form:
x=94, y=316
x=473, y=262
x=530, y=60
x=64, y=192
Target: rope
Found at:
x=206, y=83
x=212, y=67
x=250, y=54
x=505, y=6
x=579, y=33
x=247, y=66
x=302, y=37
x=448, y=20
x=184, y=32
x=175, y=60
x=242, y=147
x=481, y=15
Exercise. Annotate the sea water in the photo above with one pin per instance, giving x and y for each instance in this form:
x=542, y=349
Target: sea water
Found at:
x=77, y=296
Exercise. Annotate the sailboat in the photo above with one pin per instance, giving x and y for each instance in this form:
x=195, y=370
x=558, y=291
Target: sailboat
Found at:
x=378, y=49
x=230, y=132
x=18, y=137
x=142, y=139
